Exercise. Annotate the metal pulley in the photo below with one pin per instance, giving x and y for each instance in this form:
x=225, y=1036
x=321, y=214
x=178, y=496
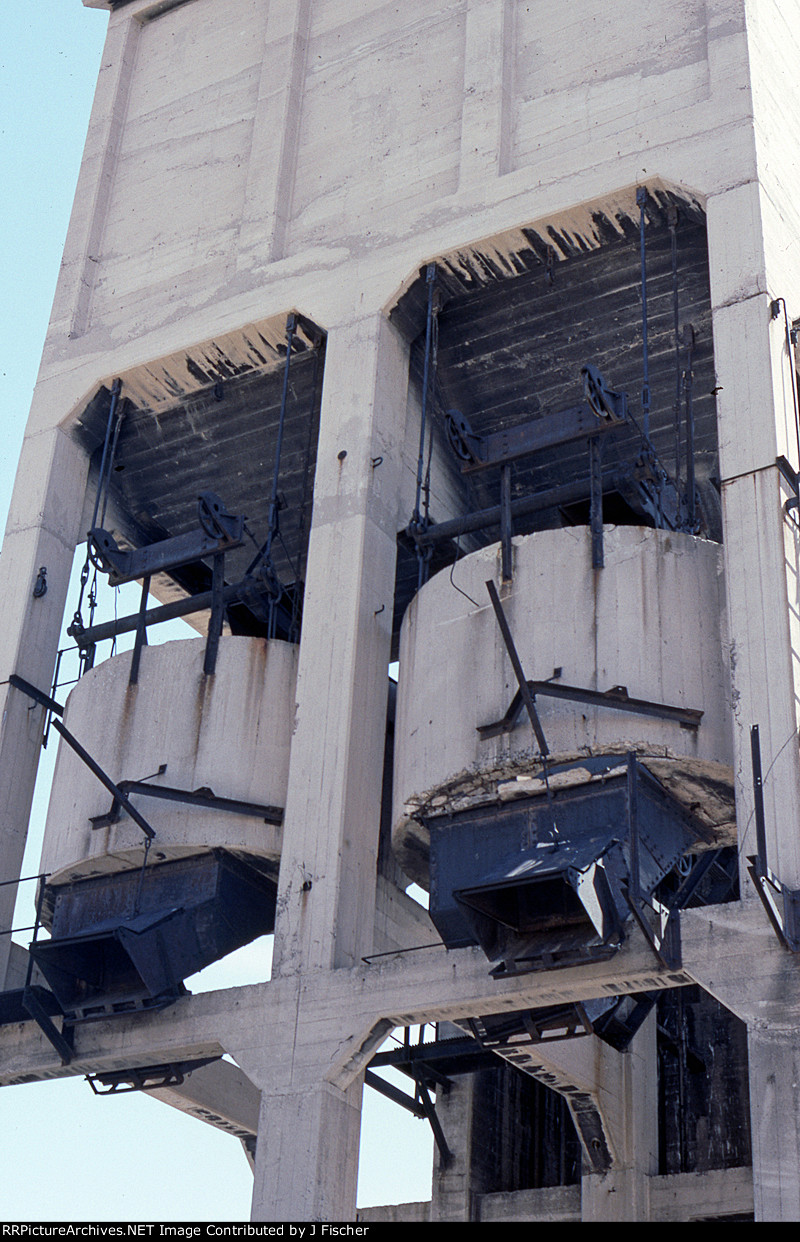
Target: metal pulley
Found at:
x=605, y=403
x=460, y=436
x=215, y=519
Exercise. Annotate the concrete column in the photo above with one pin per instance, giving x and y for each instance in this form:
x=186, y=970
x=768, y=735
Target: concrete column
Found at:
x=623, y=1194
x=276, y=128
x=79, y=266
x=774, y=1062
x=43, y=527
x=307, y=1153
x=326, y=896
x=455, y=1182
x=756, y=424
x=485, y=127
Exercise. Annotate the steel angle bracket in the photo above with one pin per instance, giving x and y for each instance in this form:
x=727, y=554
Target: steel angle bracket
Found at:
x=526, y=698
x=144, y=1078
x=60, y=1039
x=419, y=1105
x=782, y=904
x=661, y=933
x=217, y=531
x=617, y=698
x=38, y=696
x=203, y=798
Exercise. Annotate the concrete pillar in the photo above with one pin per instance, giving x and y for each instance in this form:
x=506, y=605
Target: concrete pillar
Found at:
x=774, y=1063
x=276, y=128
x=307, y=1154
x=623, y=1194
x=42, y=530
x=326, y=896
x=756, y=424
x=456, y=1182
x=306, y=1162
x=485, y=124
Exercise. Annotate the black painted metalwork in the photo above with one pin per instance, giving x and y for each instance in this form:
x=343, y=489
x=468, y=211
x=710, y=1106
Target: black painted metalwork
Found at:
x=688, y=386
x=596, y=502
x=533, y=901
x=506, y=525
x=109, y=446
x=204, y=799
x=781, y=904
x=119, y=947
x=524, y=691
x=617, y=698
x=217, y=531
x=141, y=633
x=420, y=521
x=641, y=202
x=633, y=469
x=164, y=612
x=423, y=1064
x=145, y=1077
x=44, y=699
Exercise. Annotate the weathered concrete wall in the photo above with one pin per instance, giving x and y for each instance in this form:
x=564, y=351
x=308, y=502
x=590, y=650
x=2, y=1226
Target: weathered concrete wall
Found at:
x=216, y=150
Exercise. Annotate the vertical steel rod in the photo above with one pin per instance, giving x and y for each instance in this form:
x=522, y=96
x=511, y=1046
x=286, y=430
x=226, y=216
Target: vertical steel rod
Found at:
x=691, y=499
x=596, y=502
x=641, y=199
x=116, y=388
x=217, y=614
x=141, y=633
x=430, y=277
x=506, y=530
x=633, y=828
x=758, y=799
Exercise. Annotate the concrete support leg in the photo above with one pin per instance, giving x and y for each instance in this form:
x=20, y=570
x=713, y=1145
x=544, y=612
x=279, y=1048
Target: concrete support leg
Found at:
x=307, y=1151
x=42, y=530
x=756, y=424
x=774, y=1061
x=454, y=1189
x=623, y=1193
x=326, y=896
x=307, y=1155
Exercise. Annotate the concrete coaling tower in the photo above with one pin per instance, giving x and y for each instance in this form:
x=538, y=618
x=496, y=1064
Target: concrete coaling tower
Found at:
x=454, y=340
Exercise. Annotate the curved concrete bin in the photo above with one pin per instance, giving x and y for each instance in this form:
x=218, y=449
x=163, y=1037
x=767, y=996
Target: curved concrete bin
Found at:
x=653, y=621
x=125, y=935
x=230, y=733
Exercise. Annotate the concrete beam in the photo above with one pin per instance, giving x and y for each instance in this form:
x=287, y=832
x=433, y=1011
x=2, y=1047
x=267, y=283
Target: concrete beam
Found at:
x=218, y=1094
x=346, y=1014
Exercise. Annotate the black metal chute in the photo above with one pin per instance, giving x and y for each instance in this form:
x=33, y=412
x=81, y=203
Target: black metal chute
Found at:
x=534, y=897
x=118, y=947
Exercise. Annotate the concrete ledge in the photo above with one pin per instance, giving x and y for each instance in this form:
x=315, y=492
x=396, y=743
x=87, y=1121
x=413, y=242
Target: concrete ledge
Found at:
x=551, y=1203
x=389, y=1213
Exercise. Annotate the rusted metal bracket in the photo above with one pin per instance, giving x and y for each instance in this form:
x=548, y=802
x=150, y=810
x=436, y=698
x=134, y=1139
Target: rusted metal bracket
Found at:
x=781, y=904
x=145, y=1077
x=203, y=798
x=524, y=691
x=38, y=696
x=617, y=697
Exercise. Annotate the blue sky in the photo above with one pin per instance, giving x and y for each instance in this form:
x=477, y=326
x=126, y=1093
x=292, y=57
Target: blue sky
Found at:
x=65, y=1154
